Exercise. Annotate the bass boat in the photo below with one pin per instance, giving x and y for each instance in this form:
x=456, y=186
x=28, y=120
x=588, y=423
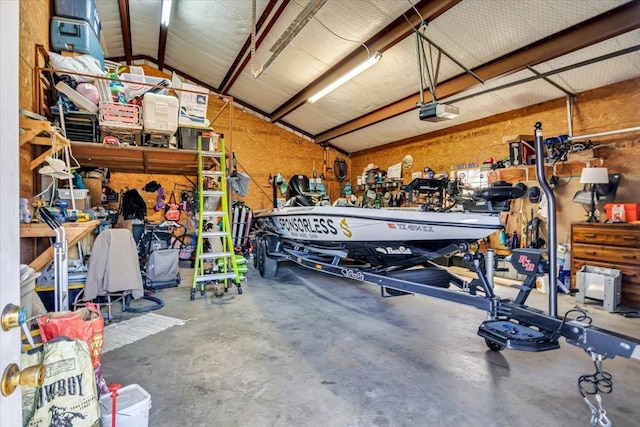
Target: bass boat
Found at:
x=390, y=236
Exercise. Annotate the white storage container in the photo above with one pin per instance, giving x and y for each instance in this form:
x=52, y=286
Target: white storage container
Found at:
x=160, y=114
x=136, y=84
x=133, y=404
x=28, y=298
x=65, y=193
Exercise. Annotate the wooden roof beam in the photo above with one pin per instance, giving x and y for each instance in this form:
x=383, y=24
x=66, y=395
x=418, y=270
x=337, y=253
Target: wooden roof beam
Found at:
x=611, y=24
x=394, y=33
x=162, y=46
x=125, y=24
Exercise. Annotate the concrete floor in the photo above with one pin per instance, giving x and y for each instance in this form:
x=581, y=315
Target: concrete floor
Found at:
x=309, y=349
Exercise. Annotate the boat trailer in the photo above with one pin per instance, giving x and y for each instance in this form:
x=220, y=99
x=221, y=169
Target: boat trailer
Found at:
x=511, y=323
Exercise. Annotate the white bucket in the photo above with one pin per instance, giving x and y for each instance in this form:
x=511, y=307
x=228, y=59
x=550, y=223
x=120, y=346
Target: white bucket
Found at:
x=132, y=410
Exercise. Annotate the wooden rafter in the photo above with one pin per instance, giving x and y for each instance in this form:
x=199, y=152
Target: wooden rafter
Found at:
x=125, y=24
x=162, y=45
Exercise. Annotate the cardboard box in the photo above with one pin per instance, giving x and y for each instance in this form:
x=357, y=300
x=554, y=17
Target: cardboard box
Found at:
x=193, y=102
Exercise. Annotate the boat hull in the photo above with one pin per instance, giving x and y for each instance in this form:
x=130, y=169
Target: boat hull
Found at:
x=345, y=224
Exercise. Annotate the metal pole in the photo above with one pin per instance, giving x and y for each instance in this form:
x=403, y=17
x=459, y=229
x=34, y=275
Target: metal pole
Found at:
x=420, y=72
x=489, y=262
x=605, y=133
x=570, y=99
x=551, y=224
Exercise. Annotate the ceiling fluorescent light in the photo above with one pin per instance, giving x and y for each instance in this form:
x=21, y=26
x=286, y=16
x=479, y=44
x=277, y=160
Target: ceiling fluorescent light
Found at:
x=166, y=12
x=348, y=76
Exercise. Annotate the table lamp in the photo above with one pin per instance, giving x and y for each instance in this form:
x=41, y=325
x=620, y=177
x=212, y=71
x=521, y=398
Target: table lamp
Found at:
x=594, y=176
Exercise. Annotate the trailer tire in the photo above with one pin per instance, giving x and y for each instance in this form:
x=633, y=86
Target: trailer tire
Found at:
x=267, y=265
x=494, y=346
x=256, y=252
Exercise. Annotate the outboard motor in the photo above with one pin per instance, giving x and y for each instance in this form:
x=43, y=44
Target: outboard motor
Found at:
x=299, y=189
x=298, y=186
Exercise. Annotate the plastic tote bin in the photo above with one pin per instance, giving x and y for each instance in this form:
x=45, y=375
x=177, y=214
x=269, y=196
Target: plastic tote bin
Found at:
x=85, y=10
x=28, y=298
x=132, y=410
x=76, y=36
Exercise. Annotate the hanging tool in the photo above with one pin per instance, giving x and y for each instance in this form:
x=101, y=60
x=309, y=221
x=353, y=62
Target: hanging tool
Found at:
x=340, y=171
x=325, y=167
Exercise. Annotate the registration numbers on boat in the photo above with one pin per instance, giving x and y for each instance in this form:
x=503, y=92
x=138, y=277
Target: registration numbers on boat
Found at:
x=415, y=227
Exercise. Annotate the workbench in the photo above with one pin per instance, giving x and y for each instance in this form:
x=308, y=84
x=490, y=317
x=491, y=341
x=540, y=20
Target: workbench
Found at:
x=75, y=231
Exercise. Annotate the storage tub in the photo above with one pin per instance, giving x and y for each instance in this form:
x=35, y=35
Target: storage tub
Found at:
x=133, y=404
x=65, y=193
x=27, y=293
x=48, y=298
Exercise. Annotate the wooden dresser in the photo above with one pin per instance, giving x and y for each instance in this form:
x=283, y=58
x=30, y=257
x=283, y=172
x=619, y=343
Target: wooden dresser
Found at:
x=610, y=246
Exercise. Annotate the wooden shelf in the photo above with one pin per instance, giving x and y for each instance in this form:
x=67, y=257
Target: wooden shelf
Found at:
x=564, y=169
x=134, y=159
x=74, y=232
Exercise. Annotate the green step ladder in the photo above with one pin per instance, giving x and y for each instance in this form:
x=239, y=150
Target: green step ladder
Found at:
x=221, y=262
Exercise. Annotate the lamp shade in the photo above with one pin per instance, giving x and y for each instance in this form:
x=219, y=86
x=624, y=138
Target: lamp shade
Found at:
x=594, y=176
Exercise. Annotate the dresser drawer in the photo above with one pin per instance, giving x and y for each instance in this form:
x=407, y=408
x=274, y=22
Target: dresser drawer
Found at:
x=607, y=235
x=606, y=254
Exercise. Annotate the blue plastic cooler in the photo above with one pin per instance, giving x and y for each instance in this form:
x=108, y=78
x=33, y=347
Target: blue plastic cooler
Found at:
x=85, y=10
x=76, y=36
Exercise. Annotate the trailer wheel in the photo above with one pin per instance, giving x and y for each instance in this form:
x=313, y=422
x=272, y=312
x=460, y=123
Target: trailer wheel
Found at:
x=494, y=346
x=267, y=265
x=256, y=252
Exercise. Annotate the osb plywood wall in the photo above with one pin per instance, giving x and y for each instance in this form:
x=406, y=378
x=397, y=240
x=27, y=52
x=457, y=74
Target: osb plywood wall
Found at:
x=613, y=107
x=34, y=29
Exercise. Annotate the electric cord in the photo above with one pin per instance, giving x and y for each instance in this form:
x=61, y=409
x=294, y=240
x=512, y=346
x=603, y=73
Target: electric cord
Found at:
x=582, y=317
x=342, y=38
x=598, y=382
